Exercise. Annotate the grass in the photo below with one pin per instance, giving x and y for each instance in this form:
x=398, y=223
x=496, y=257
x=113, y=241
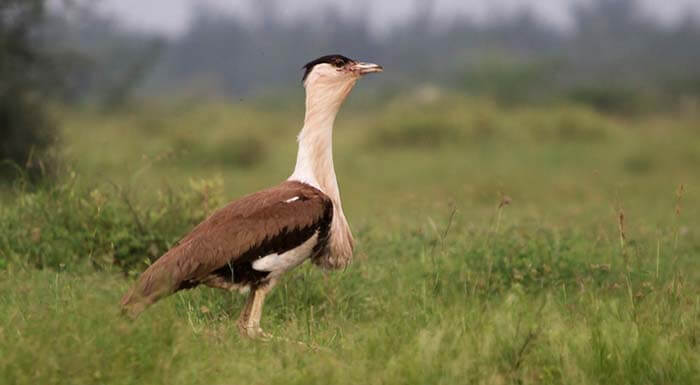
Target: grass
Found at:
x=449, y=285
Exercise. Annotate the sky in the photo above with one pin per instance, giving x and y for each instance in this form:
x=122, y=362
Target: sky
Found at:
x=171, y=17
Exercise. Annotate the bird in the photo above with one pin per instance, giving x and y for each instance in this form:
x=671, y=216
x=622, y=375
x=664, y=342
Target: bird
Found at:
x=251, y=242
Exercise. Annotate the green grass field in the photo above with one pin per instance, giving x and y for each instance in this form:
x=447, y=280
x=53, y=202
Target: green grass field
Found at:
x=591, y=275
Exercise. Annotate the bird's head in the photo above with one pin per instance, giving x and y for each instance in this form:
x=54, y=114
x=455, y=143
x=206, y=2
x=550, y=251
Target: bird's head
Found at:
x=328, y=81
x=336, y=70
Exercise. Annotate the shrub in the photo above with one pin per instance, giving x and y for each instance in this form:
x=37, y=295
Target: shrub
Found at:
x=610, y=99
x=240, y=151
x=416, y=133
x=471, y=122
x=26, y=135
x=25, y=128
x=67, y=224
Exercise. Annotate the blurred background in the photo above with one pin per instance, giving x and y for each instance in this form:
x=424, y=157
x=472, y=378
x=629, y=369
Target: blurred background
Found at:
x=577, y=99
x=612, y=54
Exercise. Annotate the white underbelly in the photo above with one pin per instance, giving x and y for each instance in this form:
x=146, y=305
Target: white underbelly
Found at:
x=277, y=264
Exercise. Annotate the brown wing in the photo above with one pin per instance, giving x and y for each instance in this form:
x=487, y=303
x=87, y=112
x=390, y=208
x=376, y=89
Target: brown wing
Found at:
x=270, y=221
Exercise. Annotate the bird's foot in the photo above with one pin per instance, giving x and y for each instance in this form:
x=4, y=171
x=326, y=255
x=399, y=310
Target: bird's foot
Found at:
x=254, y=332
x=308, y=345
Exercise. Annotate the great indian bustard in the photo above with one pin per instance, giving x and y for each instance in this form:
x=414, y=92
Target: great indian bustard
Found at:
x=251, y=242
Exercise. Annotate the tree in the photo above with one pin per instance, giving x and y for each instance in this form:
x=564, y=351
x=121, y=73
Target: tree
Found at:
x=25, y=130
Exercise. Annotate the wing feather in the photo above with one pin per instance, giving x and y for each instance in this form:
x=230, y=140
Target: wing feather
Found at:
x=256, y=225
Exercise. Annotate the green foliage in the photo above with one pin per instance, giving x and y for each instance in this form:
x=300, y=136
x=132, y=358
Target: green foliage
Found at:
x=435, y=305
x=27, y=134
x=244, y=152
x=464, y=122
x=494, y=254
x=67, y=224
x=611, y=99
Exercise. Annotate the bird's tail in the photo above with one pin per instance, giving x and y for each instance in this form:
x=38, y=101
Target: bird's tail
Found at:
x=159, y=280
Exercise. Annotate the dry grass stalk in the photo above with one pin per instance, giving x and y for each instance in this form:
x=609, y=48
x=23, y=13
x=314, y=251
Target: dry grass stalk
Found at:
x=621, y=228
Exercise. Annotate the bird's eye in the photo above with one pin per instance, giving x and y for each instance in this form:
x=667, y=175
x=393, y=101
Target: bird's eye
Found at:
x=339, y=63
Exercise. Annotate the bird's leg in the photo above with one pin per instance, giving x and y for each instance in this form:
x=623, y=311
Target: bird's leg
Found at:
x=249, y=321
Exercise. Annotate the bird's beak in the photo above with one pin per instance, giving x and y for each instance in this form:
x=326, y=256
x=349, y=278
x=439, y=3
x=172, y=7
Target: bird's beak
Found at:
x=366, y=68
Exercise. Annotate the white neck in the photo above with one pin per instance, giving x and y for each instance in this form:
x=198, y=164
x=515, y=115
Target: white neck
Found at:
x=315, y=157
x=315, y=162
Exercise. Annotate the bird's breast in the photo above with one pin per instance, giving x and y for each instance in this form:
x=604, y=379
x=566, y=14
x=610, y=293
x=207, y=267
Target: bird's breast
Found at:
x=276, y=264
